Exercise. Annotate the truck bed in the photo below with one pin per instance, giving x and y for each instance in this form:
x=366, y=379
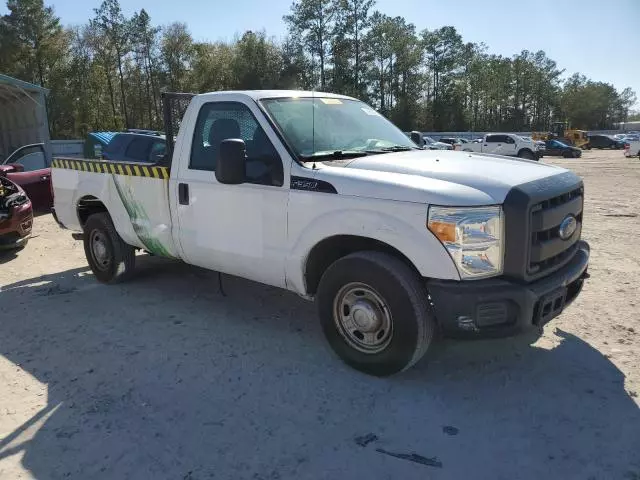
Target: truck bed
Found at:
x=137, y=195
x=111, y=167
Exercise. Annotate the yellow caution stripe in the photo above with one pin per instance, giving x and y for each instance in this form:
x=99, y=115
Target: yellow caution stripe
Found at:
x=113, y=168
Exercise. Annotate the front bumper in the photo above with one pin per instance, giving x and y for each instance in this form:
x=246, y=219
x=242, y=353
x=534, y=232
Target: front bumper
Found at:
x=502, y=307
x=15, y=232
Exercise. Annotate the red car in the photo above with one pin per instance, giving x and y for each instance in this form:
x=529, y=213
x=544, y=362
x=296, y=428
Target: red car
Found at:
x=16, y=215
x=29, y=167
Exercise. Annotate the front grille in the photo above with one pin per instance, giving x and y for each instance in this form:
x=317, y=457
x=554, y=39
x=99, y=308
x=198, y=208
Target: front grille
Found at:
x=547, y=251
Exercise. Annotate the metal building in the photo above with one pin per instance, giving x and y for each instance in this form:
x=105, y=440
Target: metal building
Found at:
x=23, y=116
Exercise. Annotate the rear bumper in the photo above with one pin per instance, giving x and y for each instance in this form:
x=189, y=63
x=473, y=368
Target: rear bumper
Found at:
x=501, y=307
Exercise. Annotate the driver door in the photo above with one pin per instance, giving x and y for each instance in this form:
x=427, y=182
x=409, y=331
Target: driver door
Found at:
x=235, y=229
x=554, y=148
x=35, y=180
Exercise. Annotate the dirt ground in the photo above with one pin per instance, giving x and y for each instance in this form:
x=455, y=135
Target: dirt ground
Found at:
x=164, y=378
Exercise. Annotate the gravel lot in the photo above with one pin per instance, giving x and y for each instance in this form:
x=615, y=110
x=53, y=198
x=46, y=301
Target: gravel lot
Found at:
x=164, y=378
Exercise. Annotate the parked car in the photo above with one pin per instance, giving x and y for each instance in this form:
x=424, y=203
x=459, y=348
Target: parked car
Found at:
x=431, y=144
x=29, y=167
x=136, y=146
x=394, y=244
x=604, y=141
x=507, y=144
x=556, y=148
x=16, y=215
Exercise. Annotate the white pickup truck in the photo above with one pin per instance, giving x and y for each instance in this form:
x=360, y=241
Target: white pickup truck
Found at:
x=507, y=144
x=319, y=194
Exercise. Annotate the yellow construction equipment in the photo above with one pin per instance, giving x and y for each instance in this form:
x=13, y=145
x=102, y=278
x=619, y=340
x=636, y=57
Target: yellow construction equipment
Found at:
x=559, y=131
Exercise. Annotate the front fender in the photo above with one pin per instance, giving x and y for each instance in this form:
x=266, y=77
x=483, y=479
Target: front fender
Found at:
x=401, y=225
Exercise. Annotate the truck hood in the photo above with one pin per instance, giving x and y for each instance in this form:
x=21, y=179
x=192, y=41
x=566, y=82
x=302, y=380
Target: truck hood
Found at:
x=435, y=177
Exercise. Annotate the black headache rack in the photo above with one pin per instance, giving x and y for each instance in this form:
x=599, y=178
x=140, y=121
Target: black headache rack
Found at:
x=174, y=106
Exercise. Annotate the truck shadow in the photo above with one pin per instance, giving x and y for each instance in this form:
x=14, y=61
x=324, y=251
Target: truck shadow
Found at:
x=163, y=377
x=7, y=255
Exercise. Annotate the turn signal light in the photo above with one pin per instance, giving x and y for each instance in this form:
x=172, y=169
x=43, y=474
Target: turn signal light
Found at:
x=446, y=232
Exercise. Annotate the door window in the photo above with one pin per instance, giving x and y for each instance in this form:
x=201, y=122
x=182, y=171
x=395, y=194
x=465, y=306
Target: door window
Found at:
x=220, y=121
x=499, y=139
x=31, y=158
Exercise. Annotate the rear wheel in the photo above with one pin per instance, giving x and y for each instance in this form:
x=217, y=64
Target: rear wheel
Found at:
x=110, y=258
x=375, y=313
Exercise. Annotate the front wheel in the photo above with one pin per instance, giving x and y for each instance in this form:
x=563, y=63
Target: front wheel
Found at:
x=110, y=258
x=526, y=154
x=375, y=313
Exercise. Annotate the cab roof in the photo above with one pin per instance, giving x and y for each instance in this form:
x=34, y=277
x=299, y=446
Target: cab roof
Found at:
x=262, y=94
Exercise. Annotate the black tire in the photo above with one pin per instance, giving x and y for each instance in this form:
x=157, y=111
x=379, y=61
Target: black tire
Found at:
x=567, y=154
x=412, y=325
x=526, y=154
x=117, y=262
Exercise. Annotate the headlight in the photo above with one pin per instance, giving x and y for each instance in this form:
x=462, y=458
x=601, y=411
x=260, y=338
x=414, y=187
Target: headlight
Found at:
x=473, y=236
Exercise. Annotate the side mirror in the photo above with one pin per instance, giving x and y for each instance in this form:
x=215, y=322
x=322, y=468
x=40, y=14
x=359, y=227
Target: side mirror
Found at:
x=232, y=162
x=11, y=168
x=416, y=137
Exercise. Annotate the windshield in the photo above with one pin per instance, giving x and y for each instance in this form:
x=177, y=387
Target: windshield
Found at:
x=313, y=126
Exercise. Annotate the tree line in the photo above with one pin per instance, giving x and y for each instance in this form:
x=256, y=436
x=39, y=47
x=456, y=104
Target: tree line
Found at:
x=109, y=73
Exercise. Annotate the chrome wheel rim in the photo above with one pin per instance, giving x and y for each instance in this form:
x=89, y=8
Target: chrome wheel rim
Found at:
x=363, y=318
x=99, y=250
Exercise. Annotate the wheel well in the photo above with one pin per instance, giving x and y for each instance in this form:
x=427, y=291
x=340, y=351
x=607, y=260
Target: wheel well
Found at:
x=333, y=248
x=525, y=149
x=87, y=206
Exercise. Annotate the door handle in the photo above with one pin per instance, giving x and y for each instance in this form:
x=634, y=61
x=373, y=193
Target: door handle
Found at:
x=183, y=194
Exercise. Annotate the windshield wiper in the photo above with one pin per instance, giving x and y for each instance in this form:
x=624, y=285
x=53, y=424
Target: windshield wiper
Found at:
x=394, y=148
x=335, y=155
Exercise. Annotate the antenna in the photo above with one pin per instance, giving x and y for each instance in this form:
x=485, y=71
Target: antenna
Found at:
x=313, y=123
x=313, y=111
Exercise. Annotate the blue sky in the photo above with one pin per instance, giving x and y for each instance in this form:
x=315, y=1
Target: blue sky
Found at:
x=599, y=39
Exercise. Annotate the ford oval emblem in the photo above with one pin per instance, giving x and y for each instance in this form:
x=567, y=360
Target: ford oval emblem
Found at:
x=568, y=227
